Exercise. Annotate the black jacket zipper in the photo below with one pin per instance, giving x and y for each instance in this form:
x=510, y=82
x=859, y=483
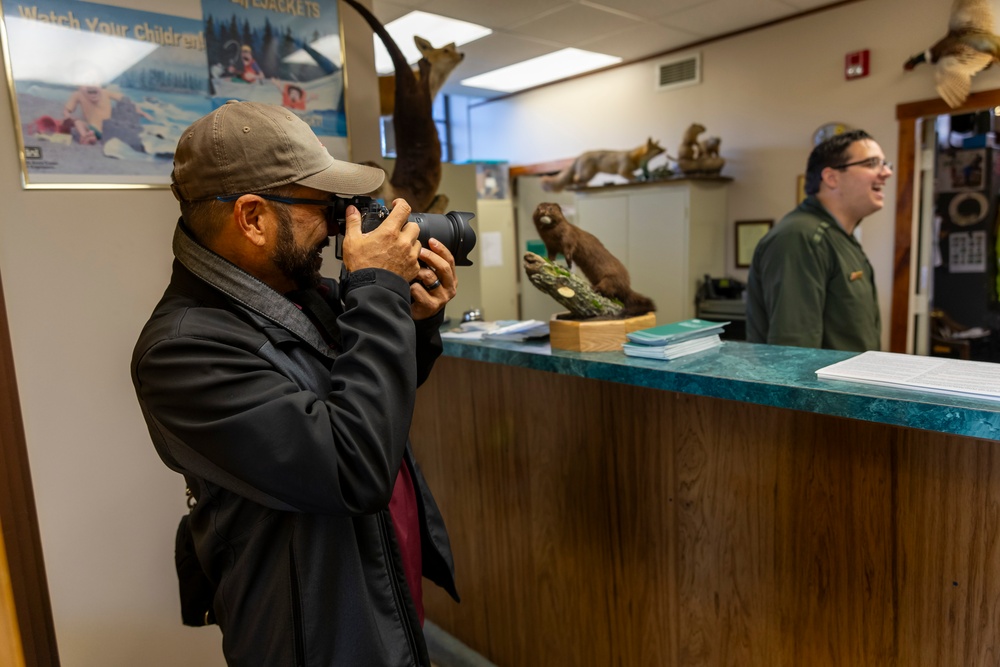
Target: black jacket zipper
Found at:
x=398, y=595
x=300, y=649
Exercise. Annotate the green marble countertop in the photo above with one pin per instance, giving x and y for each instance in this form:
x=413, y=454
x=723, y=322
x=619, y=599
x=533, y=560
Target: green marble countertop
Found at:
x=783, y=377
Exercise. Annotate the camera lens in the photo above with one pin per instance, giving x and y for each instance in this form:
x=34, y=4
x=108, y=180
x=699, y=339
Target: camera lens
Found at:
x=452, y=229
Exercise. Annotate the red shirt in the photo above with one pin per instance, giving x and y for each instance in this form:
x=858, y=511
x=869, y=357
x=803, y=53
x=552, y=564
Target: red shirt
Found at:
x=406, y=520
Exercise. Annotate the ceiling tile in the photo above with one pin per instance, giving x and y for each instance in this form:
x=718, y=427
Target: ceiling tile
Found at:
x=490, y=53
x=412, y=4
x=630, y=29
x=498, y=50
x=387, y=12
x=574, y=24
x=640, y=41
x=719, y=17
x=802, y=5
x=645, y=8
x=495, y=14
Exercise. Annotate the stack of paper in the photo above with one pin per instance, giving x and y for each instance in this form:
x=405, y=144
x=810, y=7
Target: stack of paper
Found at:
x=468, y=330
x=677, y=339
x=515, y=330
x=958, y=377
x=518, y=331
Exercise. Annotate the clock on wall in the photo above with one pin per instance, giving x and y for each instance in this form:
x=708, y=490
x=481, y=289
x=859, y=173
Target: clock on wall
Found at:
x=824, y=132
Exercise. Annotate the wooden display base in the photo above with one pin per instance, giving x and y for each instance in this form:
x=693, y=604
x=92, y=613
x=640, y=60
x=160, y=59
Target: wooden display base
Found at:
x=595, y=335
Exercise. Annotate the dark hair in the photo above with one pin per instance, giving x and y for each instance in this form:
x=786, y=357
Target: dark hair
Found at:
x=830, y=153
x=206, y=217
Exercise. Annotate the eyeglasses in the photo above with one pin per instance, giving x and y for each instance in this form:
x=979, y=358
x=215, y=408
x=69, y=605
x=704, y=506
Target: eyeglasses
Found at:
x=330, y=204
x=875, y=163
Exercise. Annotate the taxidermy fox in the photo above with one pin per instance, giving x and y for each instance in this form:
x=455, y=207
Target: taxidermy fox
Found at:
x=607, y=275
x=417, y=173
x=442, y=60
x=591, y=163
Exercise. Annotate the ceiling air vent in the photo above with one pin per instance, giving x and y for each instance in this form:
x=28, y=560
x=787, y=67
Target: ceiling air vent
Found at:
x=678, y=72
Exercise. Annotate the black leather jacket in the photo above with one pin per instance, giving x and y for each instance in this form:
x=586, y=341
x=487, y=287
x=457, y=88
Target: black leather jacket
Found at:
x=291, y=448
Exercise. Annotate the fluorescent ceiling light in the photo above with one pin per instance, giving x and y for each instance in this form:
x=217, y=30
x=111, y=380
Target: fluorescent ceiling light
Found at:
x=438, y=30
x=543, y=69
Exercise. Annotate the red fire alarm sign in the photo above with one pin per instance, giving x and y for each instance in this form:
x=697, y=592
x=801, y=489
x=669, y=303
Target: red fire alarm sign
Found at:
x=856, y=65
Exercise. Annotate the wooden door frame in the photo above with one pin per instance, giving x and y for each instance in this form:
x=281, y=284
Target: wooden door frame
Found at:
x=19, y=520
x=907, y=115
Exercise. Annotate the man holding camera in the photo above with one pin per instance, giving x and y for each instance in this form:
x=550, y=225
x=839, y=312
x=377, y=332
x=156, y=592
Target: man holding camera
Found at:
x=285, y=399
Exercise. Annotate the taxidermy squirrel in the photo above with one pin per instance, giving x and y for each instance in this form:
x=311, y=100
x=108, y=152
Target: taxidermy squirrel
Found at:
x=417, y=173
x=607, y=275
x=690, y=149
x=442, y=60
x=591, y=163
x=710, y=147
x=698, y=157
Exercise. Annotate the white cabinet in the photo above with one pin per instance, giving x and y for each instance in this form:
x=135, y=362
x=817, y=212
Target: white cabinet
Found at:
x=668, y=235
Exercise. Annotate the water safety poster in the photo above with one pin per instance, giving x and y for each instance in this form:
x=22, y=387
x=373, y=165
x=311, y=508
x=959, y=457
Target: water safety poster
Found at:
x=285, y=52
x=101, y=93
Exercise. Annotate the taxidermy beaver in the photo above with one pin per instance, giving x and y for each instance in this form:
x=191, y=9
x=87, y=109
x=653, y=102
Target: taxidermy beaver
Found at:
x=606, y=274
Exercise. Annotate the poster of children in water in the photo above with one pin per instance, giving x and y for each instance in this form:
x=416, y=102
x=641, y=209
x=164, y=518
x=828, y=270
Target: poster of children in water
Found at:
x=102, y=93
x=280, y=53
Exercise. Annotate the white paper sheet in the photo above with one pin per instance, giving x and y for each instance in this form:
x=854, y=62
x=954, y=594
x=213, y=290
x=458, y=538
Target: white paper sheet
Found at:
x=906, y=371
x=491, y=249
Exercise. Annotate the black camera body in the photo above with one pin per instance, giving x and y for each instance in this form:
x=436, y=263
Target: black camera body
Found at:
x=452, y=228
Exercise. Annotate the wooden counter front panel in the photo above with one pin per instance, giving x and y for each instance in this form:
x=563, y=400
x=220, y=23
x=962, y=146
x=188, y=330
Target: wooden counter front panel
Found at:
x=602, y=524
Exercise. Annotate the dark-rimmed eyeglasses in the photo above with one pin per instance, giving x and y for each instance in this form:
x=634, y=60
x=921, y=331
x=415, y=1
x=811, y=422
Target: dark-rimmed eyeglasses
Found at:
x=874, y=163
x=330, y=204
x=283, y=200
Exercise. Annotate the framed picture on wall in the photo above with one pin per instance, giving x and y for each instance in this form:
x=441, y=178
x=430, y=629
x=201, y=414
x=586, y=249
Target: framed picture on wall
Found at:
x=491, y=180
x=286, y=54
x=959, y=170
x=101, y=94
x=748, y=234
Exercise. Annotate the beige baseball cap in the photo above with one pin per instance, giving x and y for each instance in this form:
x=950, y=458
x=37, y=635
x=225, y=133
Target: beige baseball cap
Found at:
x=246, y=147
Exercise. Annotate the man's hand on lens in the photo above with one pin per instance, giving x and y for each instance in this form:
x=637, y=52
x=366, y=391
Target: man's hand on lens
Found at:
x=436, y=283
x=392, y=246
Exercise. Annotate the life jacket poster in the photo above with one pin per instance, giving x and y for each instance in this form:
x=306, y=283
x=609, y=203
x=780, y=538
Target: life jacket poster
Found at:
x=101, y=93
x=284, y=52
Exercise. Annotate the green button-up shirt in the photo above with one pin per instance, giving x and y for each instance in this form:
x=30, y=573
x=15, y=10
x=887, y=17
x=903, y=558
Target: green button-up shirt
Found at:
x=811, y=285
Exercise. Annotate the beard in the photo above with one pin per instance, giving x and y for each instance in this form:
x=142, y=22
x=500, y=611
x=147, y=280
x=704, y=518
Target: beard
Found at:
x=298, y=264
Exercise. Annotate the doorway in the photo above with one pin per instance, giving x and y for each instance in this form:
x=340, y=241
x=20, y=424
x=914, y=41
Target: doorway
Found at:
x=957, y=313
x=914, y=313
x=24, y=606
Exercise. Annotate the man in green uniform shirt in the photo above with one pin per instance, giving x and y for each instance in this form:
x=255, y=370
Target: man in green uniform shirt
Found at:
x=810, y=283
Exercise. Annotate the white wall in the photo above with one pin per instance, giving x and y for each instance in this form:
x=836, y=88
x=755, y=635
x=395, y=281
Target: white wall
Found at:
x=81, y=272
x=764, y=93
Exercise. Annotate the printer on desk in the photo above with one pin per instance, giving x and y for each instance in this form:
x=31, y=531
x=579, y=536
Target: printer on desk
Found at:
x=722, y=300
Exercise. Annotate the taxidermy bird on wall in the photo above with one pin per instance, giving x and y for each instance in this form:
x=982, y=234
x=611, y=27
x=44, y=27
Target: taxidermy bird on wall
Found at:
x=969, y=47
